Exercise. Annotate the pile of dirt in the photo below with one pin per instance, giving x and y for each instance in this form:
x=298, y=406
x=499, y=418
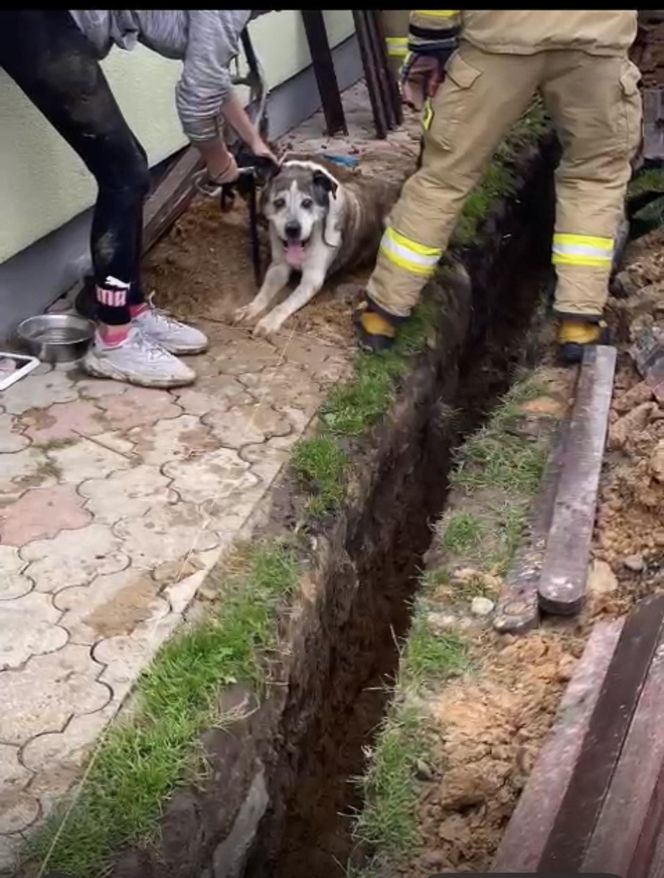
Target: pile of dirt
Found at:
x=487, y=731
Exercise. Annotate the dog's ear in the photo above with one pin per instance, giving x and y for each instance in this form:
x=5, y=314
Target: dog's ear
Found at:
x=266, y=169
x=325, y=184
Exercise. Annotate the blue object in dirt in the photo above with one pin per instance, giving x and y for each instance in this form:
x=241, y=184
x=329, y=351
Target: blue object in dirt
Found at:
x=347, y=161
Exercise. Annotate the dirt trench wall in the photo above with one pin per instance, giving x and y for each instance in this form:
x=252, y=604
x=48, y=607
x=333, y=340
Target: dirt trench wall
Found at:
x=280, y=774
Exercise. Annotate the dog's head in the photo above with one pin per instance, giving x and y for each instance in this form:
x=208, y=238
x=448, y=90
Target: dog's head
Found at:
x=299, y=198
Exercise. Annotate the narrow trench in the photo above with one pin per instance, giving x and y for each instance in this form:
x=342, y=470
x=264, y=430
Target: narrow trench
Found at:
x=315, y=838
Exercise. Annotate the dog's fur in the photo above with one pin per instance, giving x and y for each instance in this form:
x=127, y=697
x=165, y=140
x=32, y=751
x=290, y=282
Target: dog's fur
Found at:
x=335, y=217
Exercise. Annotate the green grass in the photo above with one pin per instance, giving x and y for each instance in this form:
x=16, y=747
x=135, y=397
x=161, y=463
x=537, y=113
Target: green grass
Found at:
x=651, y=180
x=497, y=458
x=432, y=657
x=141, y=761
x=321, y=464
x=389, y=819
x=463, y=533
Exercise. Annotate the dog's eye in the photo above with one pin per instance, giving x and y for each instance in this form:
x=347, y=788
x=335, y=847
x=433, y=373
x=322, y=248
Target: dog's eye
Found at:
x=307, y=203
x=279, y=203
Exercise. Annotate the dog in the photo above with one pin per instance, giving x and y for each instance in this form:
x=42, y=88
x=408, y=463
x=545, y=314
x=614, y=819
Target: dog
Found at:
x=321, y=218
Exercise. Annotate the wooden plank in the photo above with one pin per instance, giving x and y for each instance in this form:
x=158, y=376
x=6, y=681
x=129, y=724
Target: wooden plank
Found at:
x=370, y=75
x=653, y=123
x=564, y=569
x=379, y=59
x=171, y=197
x=395, y=94
x=653, y=829
x=618, y=835
x=517, y=609
x=326, y=77
x=585, y=795
x=523, y=843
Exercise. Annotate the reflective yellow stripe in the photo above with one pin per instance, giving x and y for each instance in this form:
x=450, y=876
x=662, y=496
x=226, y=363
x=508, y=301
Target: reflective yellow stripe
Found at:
x=587, y=240
x=438, y=13
x=427, y=115
x=397, y=47
x=588, y=250
x=409, y=255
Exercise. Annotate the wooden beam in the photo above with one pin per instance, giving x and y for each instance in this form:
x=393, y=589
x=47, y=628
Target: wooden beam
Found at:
x=594, y=769
x=517, y=609
x=524, y=839
x=564, y=570
x=171, y=197
x=326, y=77
x=653, y=123
x=395, y=94
x=370, y=74
x=628, y=810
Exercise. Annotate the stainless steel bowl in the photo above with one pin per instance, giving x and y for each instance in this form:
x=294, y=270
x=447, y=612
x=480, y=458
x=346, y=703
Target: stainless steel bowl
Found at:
x=56, y=338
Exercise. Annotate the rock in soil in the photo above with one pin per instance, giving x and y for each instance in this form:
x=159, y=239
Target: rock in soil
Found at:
x=601, y=578
x=635, y=563
x=481, y=606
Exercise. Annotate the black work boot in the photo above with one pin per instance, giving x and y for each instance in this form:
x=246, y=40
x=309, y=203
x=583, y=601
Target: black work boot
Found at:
x=376, y=329
x=575, y=335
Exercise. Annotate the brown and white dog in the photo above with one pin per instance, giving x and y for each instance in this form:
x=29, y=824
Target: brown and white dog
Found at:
x=322, y=217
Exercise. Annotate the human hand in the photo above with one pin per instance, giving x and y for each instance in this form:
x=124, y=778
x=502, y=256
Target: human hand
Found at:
x=420, y=79
x=261, y=150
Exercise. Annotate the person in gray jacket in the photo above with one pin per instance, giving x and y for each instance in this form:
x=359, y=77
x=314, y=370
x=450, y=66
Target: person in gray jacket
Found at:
x=53, y=56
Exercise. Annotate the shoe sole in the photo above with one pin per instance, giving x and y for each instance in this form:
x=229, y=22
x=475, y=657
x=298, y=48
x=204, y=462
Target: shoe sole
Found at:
x=112, y=375
x=185, y=352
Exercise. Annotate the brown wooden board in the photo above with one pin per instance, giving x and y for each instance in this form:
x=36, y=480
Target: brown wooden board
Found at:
x=525, y=837
x=618, y=836
x=326, y=77
x=392, y=80
x=564, y=569
x=649, y=859
x=171, y=197
x=370, y=74
x=377, y=49
x=517, y=609
x=594, y=769
x=653, y=123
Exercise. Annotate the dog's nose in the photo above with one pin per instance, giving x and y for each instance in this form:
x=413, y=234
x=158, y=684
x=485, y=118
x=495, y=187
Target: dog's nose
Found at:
x=293, y=229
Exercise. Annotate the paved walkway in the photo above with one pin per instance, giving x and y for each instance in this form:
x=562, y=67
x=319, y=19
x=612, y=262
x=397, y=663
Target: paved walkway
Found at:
x=114, y=501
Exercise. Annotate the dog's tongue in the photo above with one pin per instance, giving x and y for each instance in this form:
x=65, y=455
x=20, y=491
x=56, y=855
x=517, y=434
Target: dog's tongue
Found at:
x=295, y=254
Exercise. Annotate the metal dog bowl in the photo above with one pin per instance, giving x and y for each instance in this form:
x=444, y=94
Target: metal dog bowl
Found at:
x=56, y=338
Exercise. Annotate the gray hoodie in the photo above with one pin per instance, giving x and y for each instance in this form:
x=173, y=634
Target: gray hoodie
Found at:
x=206, y=40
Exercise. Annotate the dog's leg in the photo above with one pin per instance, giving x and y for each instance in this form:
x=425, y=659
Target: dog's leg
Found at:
x=312, y=281
x=276, y=278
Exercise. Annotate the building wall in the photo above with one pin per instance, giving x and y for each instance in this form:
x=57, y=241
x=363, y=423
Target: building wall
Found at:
x=43, y=183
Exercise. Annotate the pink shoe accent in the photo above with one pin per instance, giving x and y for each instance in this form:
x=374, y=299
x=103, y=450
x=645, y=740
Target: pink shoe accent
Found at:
x=136, y=310
x=113, y=336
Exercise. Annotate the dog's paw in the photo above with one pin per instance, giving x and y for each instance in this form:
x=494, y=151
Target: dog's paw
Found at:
x=267, y=327
x=244, y=314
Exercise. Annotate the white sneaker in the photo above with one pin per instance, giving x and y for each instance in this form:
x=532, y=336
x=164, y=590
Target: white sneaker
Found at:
x=137, y=360
x=176, y=337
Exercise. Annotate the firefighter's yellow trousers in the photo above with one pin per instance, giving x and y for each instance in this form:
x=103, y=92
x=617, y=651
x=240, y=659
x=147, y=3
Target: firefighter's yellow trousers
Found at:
x=596, y=108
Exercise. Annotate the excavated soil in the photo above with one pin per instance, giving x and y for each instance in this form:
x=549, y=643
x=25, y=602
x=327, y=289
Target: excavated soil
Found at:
x=488, y=726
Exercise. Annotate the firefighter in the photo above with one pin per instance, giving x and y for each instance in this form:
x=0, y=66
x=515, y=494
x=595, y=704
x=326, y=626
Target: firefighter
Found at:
x=475, y=74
